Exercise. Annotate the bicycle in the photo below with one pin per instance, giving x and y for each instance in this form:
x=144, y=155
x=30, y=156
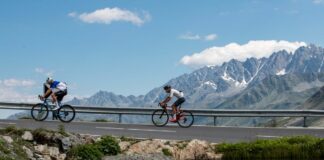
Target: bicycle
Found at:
x=160, y=117
x=40, y=111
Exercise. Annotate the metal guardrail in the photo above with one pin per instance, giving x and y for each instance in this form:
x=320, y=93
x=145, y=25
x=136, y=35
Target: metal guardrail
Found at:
x=196, y=112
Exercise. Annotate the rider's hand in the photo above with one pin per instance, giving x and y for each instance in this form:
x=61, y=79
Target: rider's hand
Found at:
x=162, y=104
x=41, y=97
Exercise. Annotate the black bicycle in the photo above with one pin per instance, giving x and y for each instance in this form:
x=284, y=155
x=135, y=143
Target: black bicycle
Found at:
x=160, y=117
x=40, y=112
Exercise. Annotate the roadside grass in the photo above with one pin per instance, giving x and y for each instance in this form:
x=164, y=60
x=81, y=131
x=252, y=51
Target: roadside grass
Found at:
x=61, y=130
x=129, y=139
x=103, y=120
x=299, y=147
x=26, y=117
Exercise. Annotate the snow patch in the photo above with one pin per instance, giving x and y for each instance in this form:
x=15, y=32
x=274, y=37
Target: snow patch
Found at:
x=228, y=78
x=211, y=84
x=281, y=72
x=319, y=69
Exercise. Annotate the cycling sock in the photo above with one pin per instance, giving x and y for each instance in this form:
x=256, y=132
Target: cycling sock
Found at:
x=57, y=105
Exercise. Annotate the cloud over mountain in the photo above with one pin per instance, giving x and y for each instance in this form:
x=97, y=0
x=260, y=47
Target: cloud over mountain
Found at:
x=258, y=49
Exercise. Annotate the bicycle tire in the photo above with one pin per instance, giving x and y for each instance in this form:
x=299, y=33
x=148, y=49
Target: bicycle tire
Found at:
x=42, y=108
x=159, y=114
x=69, y=110
x=186, y=115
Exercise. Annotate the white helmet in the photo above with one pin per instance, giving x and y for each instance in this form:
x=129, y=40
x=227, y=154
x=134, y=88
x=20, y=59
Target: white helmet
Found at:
x=49, y=80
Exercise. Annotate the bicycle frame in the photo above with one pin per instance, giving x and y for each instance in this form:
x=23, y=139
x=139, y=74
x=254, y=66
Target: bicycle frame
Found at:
x=169, y=109
x=51, y=106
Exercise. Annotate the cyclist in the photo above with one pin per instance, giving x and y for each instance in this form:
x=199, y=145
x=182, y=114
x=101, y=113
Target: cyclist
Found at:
x=57, y=90
x=173, y=92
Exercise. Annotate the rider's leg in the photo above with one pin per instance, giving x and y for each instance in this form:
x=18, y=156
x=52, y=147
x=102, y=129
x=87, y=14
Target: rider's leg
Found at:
x=55, y=96
x=57, y=106
x=174, y=111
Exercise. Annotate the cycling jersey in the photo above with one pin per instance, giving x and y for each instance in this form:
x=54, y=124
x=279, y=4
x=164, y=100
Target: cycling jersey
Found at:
x=175, y=93
x=56, y=85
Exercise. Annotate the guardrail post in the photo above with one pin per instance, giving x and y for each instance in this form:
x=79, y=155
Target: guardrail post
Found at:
x=215, y=121
x=305, y=124
x=119, y=118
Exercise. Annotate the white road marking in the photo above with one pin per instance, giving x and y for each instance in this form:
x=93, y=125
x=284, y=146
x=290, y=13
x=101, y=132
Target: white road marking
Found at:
x=10, y=123
x=113, y=128
x=150, y=130
x=267, y=136
x=136, y=129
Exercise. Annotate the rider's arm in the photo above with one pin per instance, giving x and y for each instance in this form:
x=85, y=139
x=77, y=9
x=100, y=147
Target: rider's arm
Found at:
x=48, y=92
x=166, y=100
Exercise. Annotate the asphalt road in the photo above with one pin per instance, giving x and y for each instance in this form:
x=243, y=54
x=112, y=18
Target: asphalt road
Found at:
x=211, y=134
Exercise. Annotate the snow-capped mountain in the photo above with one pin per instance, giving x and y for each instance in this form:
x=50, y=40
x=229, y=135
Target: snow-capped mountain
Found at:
x=215, y=86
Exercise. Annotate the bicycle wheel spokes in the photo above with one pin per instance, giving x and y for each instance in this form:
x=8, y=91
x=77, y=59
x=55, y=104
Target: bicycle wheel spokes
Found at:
x=39, y=112
x=160, y=118
x=66, y=113
x=185, y=119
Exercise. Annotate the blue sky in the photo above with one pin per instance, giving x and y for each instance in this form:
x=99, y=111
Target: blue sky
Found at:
x=139, y=48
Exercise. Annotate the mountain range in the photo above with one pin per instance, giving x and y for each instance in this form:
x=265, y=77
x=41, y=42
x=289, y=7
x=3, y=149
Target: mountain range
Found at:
x=253, y=83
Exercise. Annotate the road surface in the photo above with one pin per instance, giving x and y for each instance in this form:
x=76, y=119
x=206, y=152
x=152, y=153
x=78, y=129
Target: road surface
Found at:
x=211, y=134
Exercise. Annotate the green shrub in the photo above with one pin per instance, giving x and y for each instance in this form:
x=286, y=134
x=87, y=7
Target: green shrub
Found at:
x=182, y=145
x=87, y=151
x=166, y=152
x=300, y=147
x=108, y=146
x=4, y=147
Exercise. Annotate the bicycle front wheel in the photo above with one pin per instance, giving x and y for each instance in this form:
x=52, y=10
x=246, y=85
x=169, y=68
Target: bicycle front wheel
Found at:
x=66, y=113
x=160, y=118
x=185, y=119
x=39, y=112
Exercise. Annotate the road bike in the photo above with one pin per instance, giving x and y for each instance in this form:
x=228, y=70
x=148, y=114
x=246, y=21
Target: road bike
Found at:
x=160, y=117
x=40, y=111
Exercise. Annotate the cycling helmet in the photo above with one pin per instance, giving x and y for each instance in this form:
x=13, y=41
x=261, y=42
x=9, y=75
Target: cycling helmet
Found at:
x=166, y=87
x=49, y=80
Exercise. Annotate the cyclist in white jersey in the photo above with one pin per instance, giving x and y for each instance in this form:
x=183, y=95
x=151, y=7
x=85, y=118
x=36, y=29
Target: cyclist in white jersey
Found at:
x=57, y=90
x=173, y=93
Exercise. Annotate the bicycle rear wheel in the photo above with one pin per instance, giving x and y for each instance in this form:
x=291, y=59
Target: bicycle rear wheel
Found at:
x=160, y=118
x=185, y=119
x=39, y=112
x=66, y=113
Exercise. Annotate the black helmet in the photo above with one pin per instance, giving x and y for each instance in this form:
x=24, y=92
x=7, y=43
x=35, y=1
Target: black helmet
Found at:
x=166, y=87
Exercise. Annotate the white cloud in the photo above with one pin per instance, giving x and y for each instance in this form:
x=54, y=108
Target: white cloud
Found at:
x=44, y=72
x=258, y=49
x=210, y=37
x=10, y=95
x=9, y=90
x=109, y=15
x=17, y=83
x=190, y=36
x=318, y=1
x=72, y=14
